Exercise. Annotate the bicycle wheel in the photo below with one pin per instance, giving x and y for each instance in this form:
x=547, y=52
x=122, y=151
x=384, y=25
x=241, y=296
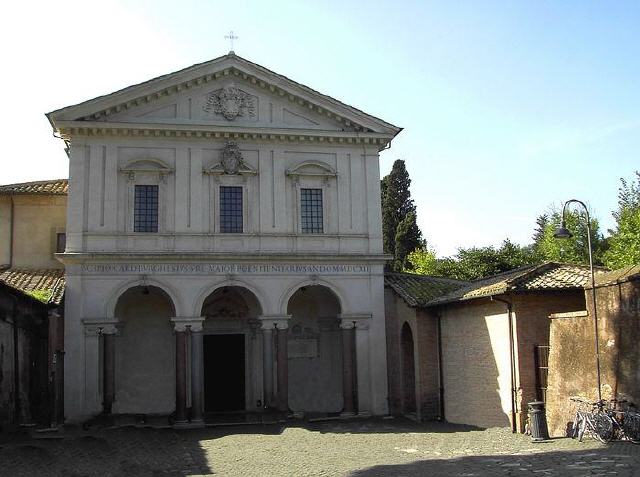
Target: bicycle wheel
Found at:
x=631, y=427
x=602, y=427
x=577, y=423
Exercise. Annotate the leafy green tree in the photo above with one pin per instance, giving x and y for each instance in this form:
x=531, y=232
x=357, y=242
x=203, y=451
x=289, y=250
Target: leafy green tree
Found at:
x=475, y=262
x=624, y=243
x=423, y=261
x=570, y=250
x=397, y=208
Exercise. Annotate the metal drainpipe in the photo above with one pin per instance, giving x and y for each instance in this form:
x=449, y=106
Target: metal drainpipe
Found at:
x=16, y=360
x=11, y=225
x=512, y=360
x=440, y=372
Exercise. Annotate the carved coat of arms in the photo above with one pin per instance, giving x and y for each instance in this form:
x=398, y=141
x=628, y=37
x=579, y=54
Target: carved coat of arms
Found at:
x=231, y=158
x=230, y=102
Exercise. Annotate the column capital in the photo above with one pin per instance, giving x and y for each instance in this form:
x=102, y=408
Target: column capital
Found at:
x=97, y=327
x=359, y=321
x=270, y=322
x=181, y=323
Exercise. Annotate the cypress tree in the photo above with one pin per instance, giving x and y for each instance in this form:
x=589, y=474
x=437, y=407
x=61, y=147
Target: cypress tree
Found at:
x=397, y=205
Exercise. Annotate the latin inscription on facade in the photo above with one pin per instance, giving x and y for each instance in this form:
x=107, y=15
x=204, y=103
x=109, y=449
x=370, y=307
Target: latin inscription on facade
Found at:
x=223, y=268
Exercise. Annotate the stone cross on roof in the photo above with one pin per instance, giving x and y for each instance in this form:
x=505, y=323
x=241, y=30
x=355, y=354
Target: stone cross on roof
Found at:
x=231, y=37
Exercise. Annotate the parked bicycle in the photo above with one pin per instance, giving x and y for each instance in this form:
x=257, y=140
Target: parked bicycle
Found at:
x=591, y=419
x=626, y=420
x=606, y=420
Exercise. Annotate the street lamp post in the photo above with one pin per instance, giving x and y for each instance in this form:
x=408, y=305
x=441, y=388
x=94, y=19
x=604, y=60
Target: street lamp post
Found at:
x=562, y=233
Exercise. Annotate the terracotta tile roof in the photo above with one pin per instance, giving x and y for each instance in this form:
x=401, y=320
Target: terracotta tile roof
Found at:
x=417, y=290
x=548, y=276
x=48, y=284
x=52, y=187
x=617, y=276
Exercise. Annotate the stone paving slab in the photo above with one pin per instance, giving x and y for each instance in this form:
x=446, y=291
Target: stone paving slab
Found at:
x=355, y=448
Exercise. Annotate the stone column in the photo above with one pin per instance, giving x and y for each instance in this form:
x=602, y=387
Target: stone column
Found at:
x=359, y=342
x=348, y=371
x=196, y=373
x=267, y=363
x=181, y=373
x=283, y=367
x=109, y=333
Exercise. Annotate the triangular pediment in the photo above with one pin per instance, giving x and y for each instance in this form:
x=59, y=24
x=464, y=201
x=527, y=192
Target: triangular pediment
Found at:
x=226, y=92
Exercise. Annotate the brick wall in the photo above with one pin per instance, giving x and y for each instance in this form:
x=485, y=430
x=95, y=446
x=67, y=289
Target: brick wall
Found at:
x=423, y=325
x=476, y=364
x=531, y=327
x=572, y=366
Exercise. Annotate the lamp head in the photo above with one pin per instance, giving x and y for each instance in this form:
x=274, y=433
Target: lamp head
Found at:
x=562, y=232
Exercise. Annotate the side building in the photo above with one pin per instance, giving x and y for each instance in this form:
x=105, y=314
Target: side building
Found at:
x=223, y=248
x=475, y=352
x=32, y=231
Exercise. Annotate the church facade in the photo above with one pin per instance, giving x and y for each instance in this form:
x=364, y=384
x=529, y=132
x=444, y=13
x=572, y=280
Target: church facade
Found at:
x=223, y=248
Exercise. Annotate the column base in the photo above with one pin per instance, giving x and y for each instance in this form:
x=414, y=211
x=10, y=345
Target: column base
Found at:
x=347, y=415
x=181, y=425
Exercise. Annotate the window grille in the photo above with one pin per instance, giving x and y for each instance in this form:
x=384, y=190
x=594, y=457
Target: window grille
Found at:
x=541, y=363
x=311, y=211
x=146, y=209
x=231, y=209
x=61, y=242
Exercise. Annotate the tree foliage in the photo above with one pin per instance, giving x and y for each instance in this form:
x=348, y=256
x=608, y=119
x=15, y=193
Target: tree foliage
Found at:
x=475, y=262
x=624, y=242
x=620, y=249
x=569, y=250
x=400, y=232
x=408, y=238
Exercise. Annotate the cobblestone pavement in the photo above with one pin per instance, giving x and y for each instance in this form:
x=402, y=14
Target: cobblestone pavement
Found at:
x=357, y=448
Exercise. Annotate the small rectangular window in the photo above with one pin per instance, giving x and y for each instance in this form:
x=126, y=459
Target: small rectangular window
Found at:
x=61, y=242
x=311, y=211
x=146, y=209
x=231, y=209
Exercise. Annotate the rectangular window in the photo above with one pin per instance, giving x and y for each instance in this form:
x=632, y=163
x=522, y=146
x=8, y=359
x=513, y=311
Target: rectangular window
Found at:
x=61, y=242
x=311, y=211
x=231, y=209
x=145, y=217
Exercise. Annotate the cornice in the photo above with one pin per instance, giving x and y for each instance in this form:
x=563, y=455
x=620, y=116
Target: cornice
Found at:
x=69, y=129
x=101, y=257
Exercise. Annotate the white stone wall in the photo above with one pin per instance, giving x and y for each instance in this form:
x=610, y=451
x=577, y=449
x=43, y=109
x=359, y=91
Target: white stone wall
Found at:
x=92, y=295
x=101, y=198
x=168, y=133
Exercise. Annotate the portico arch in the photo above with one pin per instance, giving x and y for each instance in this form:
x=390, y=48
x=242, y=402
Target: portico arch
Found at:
x=316, y=351
x=207, y=291
x=112, y=302
x=145, y=352
x=407, y=350
x=231, y=355
x=288, y=294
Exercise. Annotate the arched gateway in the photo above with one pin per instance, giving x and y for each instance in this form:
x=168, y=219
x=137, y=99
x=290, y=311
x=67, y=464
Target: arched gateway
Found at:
x=230, y=350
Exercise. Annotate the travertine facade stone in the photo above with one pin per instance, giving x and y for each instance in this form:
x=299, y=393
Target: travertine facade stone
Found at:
x=175, y=132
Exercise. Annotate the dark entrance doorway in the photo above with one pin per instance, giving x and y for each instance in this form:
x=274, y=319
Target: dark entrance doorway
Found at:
x=223, y=373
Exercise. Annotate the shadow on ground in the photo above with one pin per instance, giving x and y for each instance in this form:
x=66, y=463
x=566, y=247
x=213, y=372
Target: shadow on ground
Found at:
x=359, y=448
x=621, y=461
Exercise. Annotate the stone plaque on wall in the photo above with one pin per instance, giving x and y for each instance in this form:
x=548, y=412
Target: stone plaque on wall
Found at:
x=302, y=348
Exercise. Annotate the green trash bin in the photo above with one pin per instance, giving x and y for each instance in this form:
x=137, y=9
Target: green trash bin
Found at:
x=538, y=421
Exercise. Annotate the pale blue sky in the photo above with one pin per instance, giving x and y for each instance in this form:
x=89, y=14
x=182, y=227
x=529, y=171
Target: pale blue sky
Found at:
x=507, y=106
